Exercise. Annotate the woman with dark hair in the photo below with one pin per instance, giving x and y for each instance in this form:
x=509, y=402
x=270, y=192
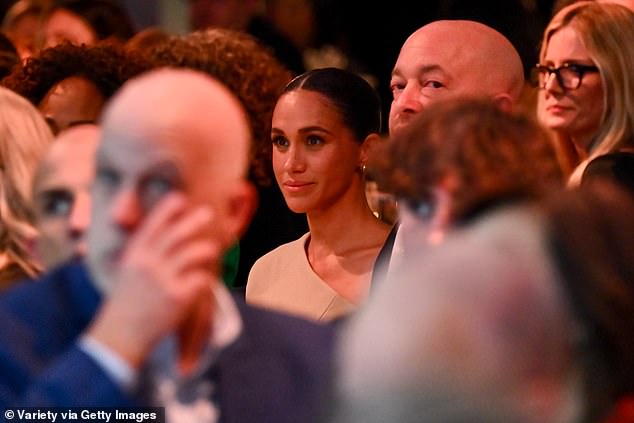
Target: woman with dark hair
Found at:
x=323, y=125
x=257, y=78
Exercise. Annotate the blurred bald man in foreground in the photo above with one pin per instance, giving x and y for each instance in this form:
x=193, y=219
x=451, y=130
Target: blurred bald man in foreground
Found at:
x=148, y=322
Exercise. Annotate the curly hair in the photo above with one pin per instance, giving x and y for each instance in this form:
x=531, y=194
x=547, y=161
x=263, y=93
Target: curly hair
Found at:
x=24, y=138
x=247, y=68
x=105, y=65
x=486, y=153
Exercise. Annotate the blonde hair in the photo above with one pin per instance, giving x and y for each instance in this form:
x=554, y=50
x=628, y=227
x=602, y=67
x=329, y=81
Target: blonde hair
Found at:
x=24, y=138
x=607, y=32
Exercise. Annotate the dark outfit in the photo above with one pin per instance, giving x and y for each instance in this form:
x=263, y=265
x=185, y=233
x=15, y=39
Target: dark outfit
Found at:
x=615, y=167
x=274, y=372
x=382, y=263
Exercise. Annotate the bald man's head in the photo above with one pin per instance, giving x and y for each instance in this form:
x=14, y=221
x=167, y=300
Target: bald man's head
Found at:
x=169, y=107
x=453, y=58
x=169, y=131
x=627, y=3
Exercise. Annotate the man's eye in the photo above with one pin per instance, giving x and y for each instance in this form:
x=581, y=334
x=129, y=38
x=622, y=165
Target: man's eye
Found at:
x=396, y=87
x=433, y=84
x=158, y=187
x=57, y=204
x=152, y=190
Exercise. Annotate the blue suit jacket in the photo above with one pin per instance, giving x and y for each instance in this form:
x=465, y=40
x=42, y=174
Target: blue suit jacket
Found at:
x=277, y=370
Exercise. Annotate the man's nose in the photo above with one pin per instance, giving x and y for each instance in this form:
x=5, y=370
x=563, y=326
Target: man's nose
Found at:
x=79, y=217
x=409, y=99
x=126, y=209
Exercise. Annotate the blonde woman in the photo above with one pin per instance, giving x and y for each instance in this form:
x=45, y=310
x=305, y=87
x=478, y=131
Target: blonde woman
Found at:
x=586, y=81
x=24, y=137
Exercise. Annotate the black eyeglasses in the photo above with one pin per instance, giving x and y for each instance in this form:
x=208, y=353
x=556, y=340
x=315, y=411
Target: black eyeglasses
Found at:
x=569, y=75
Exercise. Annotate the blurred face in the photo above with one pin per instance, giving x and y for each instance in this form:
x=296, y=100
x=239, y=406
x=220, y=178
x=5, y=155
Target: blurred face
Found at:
x=63, y=25
x=71, y=102
x=136, y=168
x=25, y=33
x=430, y=67
x=574, y=112
x=62, y=196
x=315, y=155
x=233, y=14
x=295, y=19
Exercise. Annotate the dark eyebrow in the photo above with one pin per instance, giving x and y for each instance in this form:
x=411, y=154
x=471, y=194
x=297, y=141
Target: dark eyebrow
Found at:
x=314, y=129
x=304, y=130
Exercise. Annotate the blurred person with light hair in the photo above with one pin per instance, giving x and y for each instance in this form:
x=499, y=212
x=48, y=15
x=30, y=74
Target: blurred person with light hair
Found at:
x=24, y=137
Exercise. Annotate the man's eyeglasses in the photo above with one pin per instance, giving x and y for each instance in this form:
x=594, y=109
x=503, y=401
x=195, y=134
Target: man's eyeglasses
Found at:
x=569, y=75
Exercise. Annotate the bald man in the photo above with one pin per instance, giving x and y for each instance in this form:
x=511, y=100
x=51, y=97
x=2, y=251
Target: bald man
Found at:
x=444, y=60
x=447, y=59
x=61, y=195
x=147, y=320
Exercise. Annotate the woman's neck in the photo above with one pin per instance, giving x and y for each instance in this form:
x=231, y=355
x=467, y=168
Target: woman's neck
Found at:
x=344, y=224
x=583, y=144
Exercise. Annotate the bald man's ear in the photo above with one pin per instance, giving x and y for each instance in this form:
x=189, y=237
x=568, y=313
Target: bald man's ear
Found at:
x=504, y=102
x=241, y=207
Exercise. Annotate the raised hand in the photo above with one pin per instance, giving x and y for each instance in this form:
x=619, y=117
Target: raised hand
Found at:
x=163, y=278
